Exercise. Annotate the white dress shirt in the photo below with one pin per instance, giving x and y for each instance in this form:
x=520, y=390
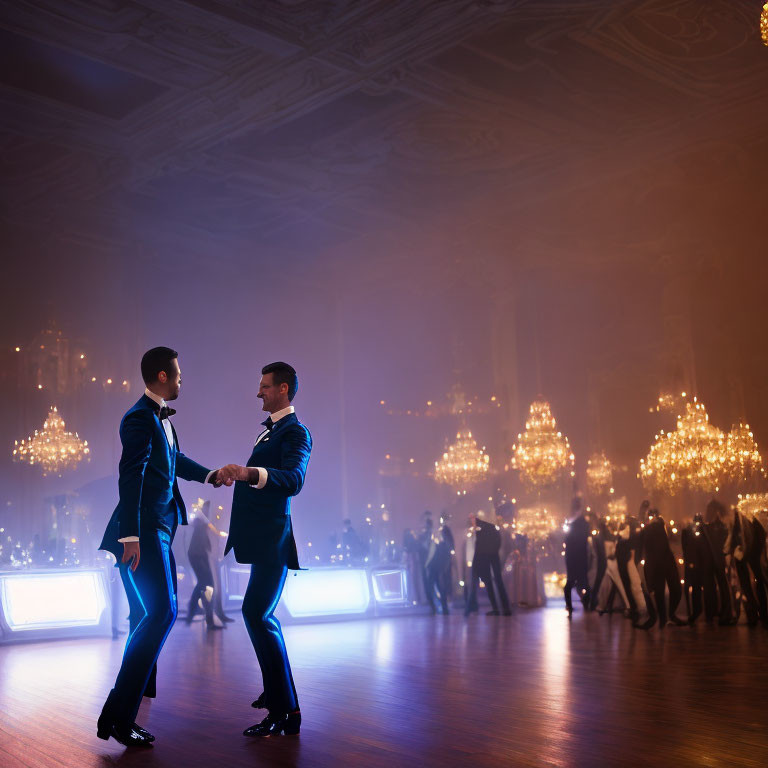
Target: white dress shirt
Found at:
x=166, y=424
x=276, y=416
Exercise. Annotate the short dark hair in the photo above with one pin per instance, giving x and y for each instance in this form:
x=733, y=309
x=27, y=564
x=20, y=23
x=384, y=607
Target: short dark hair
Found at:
x=282, y=373
x=155, y=360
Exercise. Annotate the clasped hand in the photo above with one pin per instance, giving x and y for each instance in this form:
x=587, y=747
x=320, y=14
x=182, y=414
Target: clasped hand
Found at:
x=231, y=473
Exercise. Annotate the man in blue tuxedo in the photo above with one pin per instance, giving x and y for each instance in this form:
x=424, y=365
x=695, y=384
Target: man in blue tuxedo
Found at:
x=139, y=535
x=261, y=534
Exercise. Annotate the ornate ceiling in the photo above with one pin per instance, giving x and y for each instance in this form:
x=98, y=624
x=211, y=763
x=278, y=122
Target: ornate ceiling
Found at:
x=304, y=126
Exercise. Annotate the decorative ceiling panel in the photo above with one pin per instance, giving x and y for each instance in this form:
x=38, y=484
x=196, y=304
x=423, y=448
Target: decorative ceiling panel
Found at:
x=44, y=70
x=229, y=117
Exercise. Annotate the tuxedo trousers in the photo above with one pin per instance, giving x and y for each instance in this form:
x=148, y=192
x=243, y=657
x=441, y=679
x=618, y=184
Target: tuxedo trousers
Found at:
x=151, y=592
x=661, y=574
x=262, y=595
x=438, y=581
x=201, y=565
x=487, y=567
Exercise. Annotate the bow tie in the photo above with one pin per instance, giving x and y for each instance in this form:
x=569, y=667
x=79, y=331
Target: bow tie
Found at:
x=165, y=412
x=268, y=424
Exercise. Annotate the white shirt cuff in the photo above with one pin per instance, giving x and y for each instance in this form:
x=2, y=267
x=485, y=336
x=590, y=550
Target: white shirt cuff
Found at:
x=209, y=475
x=128, y=538
x=263, y=477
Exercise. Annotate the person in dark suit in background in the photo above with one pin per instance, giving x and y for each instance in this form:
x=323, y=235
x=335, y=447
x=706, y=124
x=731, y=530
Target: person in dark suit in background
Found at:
x=577, y=557
x=438, y=569
x=660, y=569
x=716, y=531
x=139, y=535
x=199, y=553
x=698, y=572
x=486, y=565
x=740, y=546
x=261, y=534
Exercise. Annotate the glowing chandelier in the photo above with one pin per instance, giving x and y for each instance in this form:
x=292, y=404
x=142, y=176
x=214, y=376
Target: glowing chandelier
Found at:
x=668, y=402
x=535, y=522
x=692, y=456
x=463, y=464
x=743, y=459
x=753, y=503
x=764, y=24
x=599, y=474
x=53, y=448
x=617, y=507
x=542, y=453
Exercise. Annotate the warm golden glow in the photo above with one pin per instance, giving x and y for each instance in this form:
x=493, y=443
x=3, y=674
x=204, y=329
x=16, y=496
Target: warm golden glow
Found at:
x=692, y=456
x=53, y=448
x=463, y=464
x=542, y=453
x=599, y=474
x=536, y=522
x=617, y=508
x=699, y=456
x=753, y=503
x=743, y=459
x=764, y=24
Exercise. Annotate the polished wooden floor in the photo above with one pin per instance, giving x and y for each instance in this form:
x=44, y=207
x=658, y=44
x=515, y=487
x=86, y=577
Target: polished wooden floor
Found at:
x=530, y=690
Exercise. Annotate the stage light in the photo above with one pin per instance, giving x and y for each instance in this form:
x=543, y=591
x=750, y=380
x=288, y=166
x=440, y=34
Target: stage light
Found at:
x=55, y=600
x=327, y=592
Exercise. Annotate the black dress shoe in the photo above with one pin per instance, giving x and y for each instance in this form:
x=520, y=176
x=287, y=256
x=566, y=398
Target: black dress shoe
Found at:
x=491, y=613
x=645, y=625
x=225, y=618
x=678, y=622
x=143, y=732
x=124, y=734
x=275, y=724
x=260, y=703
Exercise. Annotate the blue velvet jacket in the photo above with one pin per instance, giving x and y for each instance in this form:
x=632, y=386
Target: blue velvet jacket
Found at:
x=260, y=528
x=149, y=494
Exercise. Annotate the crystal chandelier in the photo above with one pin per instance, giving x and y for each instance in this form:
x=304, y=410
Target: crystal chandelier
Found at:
x=599, y=474
x=542, y=453
x=463, y=464
x=53, y=448
x=617, y=508
x=668, y=403
x=764, y=24
x=743, y=459
x=752, y=503
x=535, y=522
x=692, y=456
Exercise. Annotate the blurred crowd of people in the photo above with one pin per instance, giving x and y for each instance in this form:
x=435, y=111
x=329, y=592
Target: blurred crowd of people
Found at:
x=487, y=559
x=657, y=572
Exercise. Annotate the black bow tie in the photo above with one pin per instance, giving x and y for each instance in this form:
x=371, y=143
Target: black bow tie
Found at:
x=165, y=412
x=268, y=424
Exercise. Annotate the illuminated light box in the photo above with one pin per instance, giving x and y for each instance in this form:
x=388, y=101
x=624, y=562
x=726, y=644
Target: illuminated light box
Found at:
x=389, y=586
x=52, y=600
x=236, y=579
x=327, y=592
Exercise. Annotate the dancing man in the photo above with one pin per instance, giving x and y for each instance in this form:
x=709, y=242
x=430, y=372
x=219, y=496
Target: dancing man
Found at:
x=139, y=535
x=261, y=534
